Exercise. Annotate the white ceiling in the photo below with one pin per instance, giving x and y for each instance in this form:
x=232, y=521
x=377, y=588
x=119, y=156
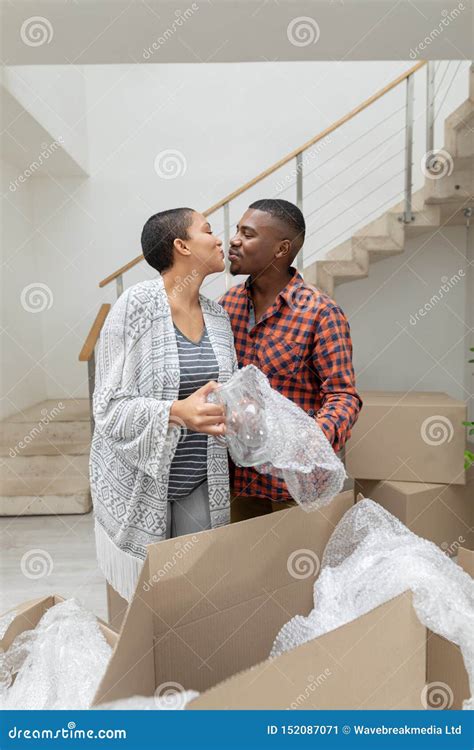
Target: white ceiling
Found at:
x=116, y=31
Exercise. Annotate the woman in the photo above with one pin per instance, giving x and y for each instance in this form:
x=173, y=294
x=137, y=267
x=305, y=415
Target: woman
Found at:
x=157, y=467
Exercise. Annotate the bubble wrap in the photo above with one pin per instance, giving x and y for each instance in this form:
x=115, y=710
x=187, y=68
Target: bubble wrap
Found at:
x=173, y=701
x=271, y=433
x=58, y=665
x=372, y=557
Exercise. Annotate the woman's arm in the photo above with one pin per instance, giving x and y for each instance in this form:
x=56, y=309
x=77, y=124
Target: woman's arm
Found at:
x=137, y=427
x=144, y=430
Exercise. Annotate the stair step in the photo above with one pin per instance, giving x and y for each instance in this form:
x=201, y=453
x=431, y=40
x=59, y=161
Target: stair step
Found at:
x=342, y=270
x=57, y=410
x=458, y=130
x=53, y=485
x=36, y=438
x=28, y=469
x=44, y=485
x=340, y=252
x=45, y=505
x=378, y=244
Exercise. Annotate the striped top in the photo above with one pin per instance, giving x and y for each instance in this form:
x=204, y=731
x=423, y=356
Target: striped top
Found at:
x=198, y=365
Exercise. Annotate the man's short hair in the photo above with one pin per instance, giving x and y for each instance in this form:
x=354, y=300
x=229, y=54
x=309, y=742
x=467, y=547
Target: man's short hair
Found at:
x=288, y=214
x=159, y=234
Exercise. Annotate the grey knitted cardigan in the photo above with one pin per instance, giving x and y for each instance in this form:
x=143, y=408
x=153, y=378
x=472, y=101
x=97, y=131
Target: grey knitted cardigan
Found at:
x=137, y=379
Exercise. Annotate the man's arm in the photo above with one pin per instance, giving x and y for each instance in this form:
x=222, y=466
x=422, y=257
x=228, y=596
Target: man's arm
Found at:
x=332, y=363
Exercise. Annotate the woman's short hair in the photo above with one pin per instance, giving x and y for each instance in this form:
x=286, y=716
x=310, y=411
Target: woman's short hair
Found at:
x=159, y=234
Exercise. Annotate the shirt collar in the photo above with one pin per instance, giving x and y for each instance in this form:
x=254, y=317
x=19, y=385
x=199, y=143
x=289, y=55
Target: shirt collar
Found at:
x=288, y=291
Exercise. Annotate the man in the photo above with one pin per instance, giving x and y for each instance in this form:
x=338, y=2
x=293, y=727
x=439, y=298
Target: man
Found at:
x=297, y=335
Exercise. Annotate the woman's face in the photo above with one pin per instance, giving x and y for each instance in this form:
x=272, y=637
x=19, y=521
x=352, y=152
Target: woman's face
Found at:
x=207, y=254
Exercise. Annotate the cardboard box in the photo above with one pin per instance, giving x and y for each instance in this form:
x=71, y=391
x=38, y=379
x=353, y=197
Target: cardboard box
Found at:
x=445, y=665
x=116, y=607
x=408, y=437
x=28, y=615
x=208, y=606
x=442, y=513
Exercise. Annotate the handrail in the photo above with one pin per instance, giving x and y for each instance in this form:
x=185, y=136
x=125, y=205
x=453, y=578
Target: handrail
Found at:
x=296, y=152
x=87, y=351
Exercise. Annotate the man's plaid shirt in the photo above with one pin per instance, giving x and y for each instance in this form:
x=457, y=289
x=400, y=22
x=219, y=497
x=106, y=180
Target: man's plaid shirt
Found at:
x=303, y=345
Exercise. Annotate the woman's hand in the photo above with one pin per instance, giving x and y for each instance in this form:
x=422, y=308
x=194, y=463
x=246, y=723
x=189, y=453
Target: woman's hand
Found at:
x=199, y=415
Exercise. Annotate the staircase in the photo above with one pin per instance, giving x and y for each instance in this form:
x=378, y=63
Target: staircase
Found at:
x=44, y=467
x=447, y=191
x=44, y=456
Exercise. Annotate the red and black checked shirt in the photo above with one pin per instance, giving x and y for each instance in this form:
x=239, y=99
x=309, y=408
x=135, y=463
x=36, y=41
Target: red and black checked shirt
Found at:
x=303, y=345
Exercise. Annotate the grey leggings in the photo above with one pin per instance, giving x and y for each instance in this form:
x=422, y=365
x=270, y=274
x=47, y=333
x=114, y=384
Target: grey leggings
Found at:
x=187, y=515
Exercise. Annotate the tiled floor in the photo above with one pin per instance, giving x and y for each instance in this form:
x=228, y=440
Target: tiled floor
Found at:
x=50, y=555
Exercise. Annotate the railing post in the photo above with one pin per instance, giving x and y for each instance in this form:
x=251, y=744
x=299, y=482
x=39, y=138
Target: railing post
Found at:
x=299, y=203
x=407, y=214
x=430, y=93
x=119, y=284
x=226, y=244
x=91, y=382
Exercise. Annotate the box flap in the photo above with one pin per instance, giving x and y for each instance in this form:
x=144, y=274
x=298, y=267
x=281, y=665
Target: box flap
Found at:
x=375, y=662
x=131, y=670
x=196, y=575
x=30, y=613
x=214, y=600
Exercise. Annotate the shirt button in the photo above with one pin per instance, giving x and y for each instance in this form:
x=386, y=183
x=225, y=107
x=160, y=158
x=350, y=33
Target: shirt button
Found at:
x=310, y=412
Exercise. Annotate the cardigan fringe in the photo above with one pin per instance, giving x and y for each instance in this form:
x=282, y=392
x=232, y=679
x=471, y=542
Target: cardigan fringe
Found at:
x=119, y=568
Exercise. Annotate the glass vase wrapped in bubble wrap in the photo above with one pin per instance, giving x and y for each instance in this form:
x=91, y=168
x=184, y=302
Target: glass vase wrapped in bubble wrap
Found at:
x=271, y=433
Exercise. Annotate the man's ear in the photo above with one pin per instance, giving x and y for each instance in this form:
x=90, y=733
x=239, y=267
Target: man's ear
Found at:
x=181, y=247
x=284, y=249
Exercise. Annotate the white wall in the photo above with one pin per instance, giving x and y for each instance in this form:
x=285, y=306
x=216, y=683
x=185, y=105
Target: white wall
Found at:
x=23, y=380
x=55, y=97
x=396, y=347
x=229, y=122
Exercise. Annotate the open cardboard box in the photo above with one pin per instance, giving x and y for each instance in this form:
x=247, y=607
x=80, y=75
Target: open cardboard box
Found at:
x=444, y=659
x=208, y=606
x=442, y=513
x=28, y=615
x=444, y=662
